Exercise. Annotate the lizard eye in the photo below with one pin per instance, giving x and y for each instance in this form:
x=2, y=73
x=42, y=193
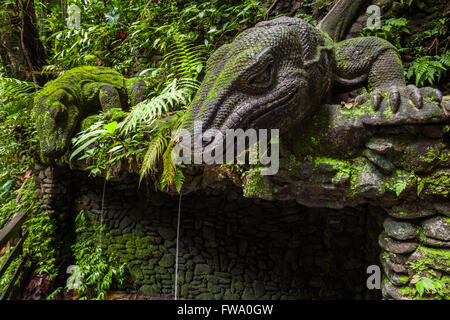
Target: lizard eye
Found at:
x=263, y=79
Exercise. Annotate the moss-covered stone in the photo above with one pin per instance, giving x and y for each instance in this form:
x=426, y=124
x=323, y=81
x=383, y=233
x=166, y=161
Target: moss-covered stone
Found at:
x=167, y=261
x=256, y=185
x=150, y=290
x=64, y=102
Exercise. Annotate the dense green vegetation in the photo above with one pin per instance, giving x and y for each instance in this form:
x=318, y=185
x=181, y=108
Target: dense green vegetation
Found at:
x=166, y=43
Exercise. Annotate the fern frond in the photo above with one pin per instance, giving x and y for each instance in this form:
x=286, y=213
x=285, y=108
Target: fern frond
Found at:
x=13, y=89
x=154, y=151
x=185, y=59
x=445, y=58
x=426, y=69
x=177, y=93
x=92, y=134
x=178, y=179
x=397, y=22
x=169, y=167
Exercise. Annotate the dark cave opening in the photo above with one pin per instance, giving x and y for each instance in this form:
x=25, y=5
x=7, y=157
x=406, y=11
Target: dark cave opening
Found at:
x=232, y=247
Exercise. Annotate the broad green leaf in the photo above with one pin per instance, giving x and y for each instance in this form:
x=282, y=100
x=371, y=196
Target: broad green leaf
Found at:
x=111, y=127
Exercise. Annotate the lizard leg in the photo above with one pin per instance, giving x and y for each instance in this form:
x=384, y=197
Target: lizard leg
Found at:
x=136, y=90
x=109, y=98
x=375, y=63
x=367, y=60
x=416, y=248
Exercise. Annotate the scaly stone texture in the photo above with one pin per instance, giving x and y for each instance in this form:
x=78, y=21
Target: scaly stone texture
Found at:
x=277, y=75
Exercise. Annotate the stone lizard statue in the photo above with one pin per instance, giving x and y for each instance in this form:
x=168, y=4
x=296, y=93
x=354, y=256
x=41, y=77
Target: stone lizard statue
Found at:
x=389, y=150
x=79, y=92
x=278, y=73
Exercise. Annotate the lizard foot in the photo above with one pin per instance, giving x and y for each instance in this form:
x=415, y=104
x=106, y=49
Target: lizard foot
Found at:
x=394, y=96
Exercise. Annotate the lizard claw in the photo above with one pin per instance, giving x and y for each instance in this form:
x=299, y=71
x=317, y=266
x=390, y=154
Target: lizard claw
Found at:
x=415, y=96
x=419, y=94
x=393, y=102
x=377, y=97
x=398, y=97
x=394, y=99
x=432, y=93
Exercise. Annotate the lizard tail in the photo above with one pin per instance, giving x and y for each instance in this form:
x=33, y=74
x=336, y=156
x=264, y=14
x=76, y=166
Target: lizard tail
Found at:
x=340, y=18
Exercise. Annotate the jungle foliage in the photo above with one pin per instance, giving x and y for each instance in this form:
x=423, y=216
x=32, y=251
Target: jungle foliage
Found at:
x=166, y=43
x=420, y=31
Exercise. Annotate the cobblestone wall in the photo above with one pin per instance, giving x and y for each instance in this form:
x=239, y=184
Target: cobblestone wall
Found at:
x=230, y=247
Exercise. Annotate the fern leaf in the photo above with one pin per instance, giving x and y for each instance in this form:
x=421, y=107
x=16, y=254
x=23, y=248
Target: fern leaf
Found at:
x=175, y=94
x=154, y=151
x=178, y=179
x=169, y=167
x=445, y=59
x=14, y=89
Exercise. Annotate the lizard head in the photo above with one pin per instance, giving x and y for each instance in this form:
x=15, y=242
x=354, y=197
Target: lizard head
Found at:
x=270, y=77
x=56, y=118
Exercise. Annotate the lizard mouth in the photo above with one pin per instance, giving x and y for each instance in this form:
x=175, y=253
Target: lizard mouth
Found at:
x=252, y=115
x=255, y=115
x=275, y=107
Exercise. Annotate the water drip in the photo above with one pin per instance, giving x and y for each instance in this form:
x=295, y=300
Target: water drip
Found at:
x=101, y=219
x=177, y=248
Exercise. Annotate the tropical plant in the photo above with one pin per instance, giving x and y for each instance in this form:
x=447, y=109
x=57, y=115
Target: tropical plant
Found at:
x=143, y=137
x=17, y=187
x=97, y=270
x=427, y=69
x=17, y=147
x=130, y=36
x=425, y=50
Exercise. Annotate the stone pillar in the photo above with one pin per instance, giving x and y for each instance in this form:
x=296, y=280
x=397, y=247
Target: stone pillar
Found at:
x=54, y=186
x=416, y=252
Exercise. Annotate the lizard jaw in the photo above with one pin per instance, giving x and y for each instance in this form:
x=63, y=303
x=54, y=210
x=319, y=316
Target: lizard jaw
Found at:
x=251, y=115
x=281, y=104
x=271, y=106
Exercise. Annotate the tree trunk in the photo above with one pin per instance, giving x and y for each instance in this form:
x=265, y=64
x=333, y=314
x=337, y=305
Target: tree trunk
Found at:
x=22, y=49
x=10, y=42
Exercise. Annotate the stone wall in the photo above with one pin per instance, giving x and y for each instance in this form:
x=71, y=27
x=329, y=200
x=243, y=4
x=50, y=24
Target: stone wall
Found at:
x=230, y=247
x=55, y=185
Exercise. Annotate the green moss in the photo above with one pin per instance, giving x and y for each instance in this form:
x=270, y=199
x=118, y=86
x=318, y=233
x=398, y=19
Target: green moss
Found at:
x=426, y=278
x=342, y=168
x=87, y=122
x=136, y=89
x=438, y=152
x=400, y=181
x=432, y=258
x=257, y=185
x=79, y=92
x=408, y=291
x=310, y=139
x=438, y=184
x=403, y=278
